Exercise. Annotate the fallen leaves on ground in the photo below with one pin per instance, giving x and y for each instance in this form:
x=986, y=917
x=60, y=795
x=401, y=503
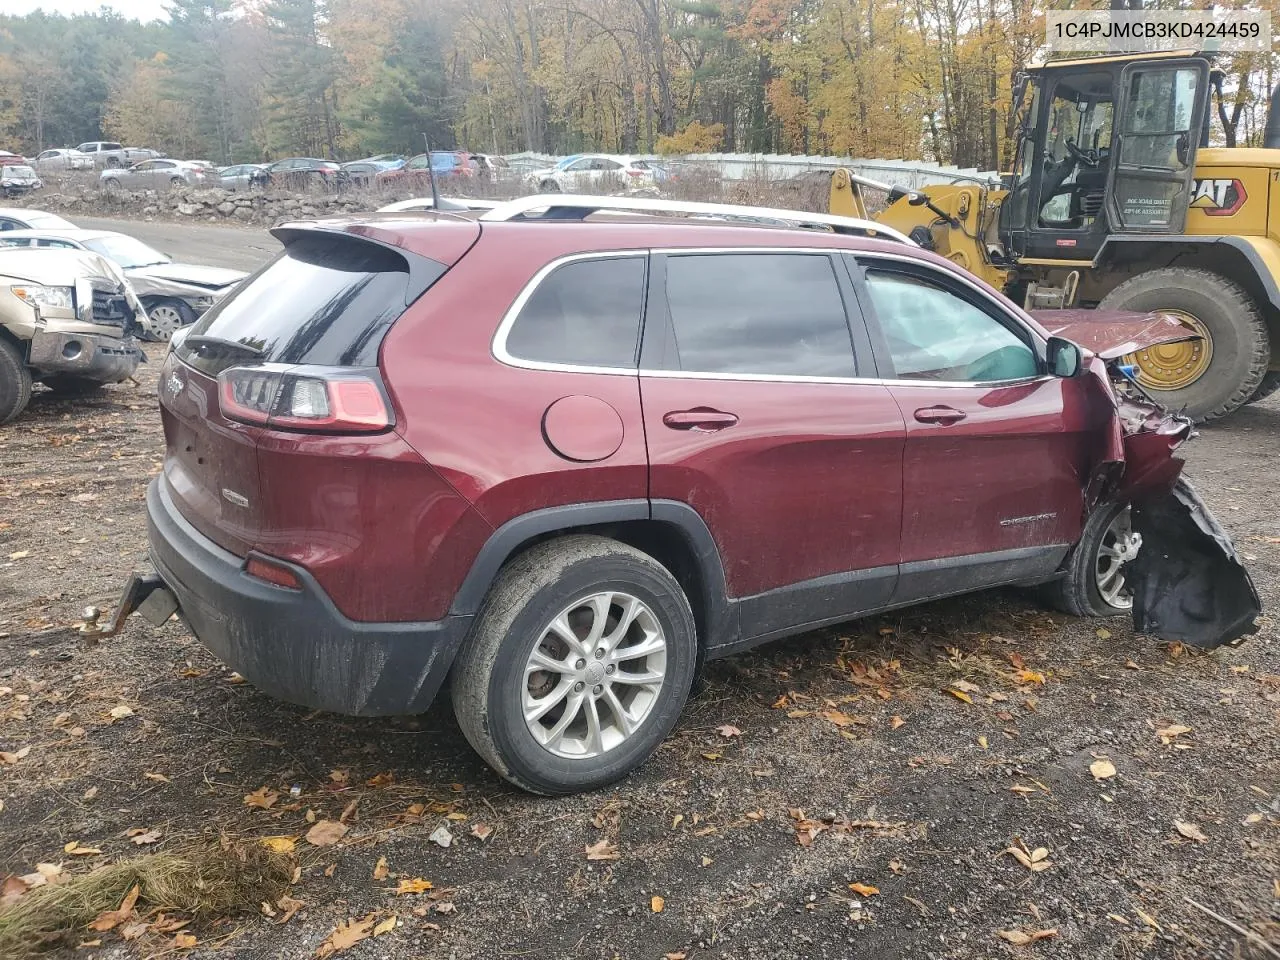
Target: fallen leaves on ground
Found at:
x=15, y=756
x=481, y=831
x=602, y=849
x=1189, y=830
x=1034, y=860
x=326, y=833
x=121, y=712
x=288, y=906
x=864, y=889
x=76, y=850
x=1020, y=939
x=183, y=941
x=441, y=836
x=143, y=837
x=960, y=694
x=110, y=919
x=385, y=926
x=279, y=844
x=728, y=730
x=1167, y=734
x=380, y=869
x=263, y=798
x=657, y=904
x=347, y=935
x=414, y=885
x=1102, y=768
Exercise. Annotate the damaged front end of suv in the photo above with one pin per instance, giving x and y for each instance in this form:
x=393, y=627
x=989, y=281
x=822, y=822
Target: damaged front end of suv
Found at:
x=1187, y=581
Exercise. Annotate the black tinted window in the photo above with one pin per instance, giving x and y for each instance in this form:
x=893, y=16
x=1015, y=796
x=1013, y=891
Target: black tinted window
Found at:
x=758, y=313
x=325, y=301
x=586, y=313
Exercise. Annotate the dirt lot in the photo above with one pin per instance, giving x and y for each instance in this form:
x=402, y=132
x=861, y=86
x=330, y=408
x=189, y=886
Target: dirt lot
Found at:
x=905, y=754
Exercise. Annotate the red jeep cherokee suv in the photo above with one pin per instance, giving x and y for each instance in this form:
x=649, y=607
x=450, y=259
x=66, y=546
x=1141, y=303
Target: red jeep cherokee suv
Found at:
x=562, y=459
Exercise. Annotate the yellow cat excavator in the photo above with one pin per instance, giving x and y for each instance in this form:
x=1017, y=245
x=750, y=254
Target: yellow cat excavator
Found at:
x=1116, y=201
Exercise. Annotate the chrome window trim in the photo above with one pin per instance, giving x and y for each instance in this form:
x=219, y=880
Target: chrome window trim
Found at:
x=498, y=346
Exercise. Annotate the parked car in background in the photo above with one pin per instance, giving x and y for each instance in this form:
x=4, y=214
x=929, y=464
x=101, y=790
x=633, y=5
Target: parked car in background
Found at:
x=7, y=157
x=302, y=173
x=600, y=526
x=493, y=167
x=107, y=153
x=239, y=176
x=387, y=161
x=173, y=294
x=20, y=218
x=418, y=172
x=206, y=165
x=68, y=319
x=584, y=172
x=156, y=175
x=62, y=160
x=362, y=173
x=16, y=180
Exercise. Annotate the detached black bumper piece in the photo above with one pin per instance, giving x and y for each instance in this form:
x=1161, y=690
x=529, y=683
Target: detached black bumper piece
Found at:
x=295, y=644
x=1188, y=581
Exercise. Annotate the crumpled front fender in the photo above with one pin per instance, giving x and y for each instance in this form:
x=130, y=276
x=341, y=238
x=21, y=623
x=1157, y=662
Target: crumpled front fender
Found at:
x=1188, y=582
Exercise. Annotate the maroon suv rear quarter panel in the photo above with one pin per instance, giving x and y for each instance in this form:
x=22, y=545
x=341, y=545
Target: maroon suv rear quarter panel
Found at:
x=478, y=421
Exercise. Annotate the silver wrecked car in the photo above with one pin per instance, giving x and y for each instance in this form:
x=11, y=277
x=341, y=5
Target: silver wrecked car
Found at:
x=68, y=319
x=174, y=294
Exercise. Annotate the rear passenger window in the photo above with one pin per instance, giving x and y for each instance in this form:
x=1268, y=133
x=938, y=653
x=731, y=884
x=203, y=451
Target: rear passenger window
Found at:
x=585, y=313
x=761, y=313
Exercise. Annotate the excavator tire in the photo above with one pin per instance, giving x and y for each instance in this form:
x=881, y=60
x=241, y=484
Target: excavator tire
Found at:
x=1241, y=346
x=1269, y=385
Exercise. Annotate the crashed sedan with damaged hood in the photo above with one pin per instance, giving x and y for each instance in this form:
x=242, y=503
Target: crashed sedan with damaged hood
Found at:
x=564, y=465
x=174, y=294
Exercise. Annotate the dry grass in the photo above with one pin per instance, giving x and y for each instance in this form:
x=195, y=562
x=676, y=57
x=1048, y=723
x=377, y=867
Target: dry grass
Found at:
x=203, y=879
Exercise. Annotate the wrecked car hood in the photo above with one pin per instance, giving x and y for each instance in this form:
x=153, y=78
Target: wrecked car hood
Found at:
x=211, y=278
x=1111, y=334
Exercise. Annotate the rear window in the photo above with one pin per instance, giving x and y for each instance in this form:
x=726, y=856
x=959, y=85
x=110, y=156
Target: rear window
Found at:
x=585, y=313
x=327, y=301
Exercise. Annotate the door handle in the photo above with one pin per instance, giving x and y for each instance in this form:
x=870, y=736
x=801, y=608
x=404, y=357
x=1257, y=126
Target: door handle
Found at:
x=942, y=415
x=702, y=418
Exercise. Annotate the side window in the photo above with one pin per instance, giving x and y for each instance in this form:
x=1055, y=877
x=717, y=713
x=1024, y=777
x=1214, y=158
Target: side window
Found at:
x=585, y=313
x=762, y=313
x=584, y=164
x=56, y=244
x=933, y=334
x=7, y=224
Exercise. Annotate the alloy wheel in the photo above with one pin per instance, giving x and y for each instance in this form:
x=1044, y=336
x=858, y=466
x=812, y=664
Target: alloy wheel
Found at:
x=594, y=675
x=1119, y=544
x=165, y=320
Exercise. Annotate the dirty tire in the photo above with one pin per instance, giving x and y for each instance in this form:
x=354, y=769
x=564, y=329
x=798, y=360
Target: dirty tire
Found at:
x=488, y=676
x=1241, y=346
x=15, y=382
x=66, y=386
x=549, y=186
x=1269, y=385
x=1077, y=593
x=166, y=316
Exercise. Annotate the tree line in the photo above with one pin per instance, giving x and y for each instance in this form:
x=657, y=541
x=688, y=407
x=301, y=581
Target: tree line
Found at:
x=250, y=80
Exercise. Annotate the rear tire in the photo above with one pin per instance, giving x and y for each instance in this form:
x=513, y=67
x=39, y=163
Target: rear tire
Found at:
x=1241, y=345
x=498, y=690
x=166, y=316
x=549, y=186
x=15, y=382
x=1269, y=385
x=1092, y=563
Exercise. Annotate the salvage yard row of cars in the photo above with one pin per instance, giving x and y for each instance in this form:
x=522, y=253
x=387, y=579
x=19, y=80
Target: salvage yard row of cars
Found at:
x=75, y=302
x=562, y=450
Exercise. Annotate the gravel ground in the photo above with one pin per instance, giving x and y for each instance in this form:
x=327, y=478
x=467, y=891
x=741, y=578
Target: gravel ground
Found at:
x=904, y=754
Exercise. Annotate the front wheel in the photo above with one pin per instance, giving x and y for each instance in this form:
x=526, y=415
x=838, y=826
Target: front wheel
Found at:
x=1095, y=584
x=548, y=186
x=166, y=316
x=15, y=382
x=578, y=667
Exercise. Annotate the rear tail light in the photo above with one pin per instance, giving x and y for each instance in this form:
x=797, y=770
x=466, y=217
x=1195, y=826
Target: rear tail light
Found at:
x=322, y=399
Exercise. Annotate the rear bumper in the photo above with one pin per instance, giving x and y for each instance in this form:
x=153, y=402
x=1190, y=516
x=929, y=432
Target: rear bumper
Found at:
x=295, y=644
x=93, y=357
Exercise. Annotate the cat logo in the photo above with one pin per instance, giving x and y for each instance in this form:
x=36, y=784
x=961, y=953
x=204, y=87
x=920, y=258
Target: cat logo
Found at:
x=1218, y=198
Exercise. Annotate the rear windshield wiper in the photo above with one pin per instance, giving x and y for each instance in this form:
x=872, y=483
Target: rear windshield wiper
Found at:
x=203, y=340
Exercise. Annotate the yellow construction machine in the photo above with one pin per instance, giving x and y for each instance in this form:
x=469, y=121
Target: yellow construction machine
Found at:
x=1117, y=201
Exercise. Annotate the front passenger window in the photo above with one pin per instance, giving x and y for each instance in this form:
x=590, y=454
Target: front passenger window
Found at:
x=933, y=334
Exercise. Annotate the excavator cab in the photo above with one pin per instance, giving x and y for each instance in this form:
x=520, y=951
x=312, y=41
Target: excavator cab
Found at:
x=1105, y=146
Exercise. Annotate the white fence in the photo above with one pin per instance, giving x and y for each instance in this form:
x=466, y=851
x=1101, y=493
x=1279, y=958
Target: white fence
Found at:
x=912, y=174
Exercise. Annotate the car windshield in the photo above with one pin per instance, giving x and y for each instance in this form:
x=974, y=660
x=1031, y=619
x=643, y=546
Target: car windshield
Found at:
x=566, y=161
x=126, y=251
x=46, y=221
x=19, y=172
